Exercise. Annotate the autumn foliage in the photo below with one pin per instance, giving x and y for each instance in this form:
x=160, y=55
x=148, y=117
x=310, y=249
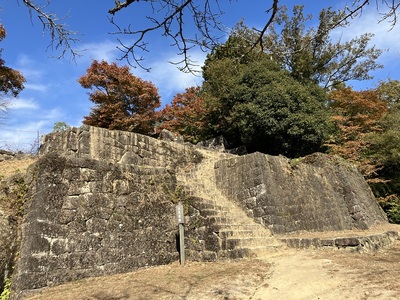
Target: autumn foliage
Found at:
x=11, y=81
x=356, y=115
x=122, y=101
x=186, y=115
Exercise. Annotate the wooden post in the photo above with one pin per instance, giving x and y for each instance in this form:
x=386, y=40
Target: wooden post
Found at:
x=180, y=219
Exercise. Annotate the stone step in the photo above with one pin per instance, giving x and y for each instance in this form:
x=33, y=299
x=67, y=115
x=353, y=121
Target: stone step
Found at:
x=214, y=212
x=205, y=187
x=249, y=242
x=265, y=251
x=224, y=212
x=205, y=194
x=225, y=234
x=232, y=219
x=211, y=195
x=253, y=252
x=238, y=235
x=217, y=202
x=358, y=243
x=234, y=254
x=207, y=204
x=242, y=226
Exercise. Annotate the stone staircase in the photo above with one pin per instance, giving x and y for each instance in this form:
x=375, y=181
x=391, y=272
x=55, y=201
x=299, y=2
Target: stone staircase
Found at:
x=235, y=234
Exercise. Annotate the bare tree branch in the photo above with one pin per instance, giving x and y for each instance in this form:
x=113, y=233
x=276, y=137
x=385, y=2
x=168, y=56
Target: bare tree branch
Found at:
x=119, y=6
x=172, y=18
x=61, y=37
x=392, y=13
x=273, y=10
x=4, y=107
x=387, y=9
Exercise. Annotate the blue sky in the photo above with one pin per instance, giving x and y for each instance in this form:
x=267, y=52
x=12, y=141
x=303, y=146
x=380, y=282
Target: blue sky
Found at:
x=52, y=93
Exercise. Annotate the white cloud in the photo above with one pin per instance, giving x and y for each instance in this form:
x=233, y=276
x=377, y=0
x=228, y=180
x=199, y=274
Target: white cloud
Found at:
x=18, y=139
x=168, y=78
x=37, y=87
x=385, y=37
x=105, y=50
x=21, y=103
x=22, y=128
x=29, y=68
x=52, y=116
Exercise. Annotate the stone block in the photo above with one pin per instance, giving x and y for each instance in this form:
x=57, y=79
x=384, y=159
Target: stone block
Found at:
x=347, y=242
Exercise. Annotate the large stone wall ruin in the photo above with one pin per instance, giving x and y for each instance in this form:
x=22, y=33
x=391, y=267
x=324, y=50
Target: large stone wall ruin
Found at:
x=103, y=202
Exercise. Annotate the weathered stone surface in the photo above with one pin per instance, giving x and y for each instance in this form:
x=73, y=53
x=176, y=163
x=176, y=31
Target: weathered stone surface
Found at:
x=356, y=243
x=89, y=218
x=218, y=143
x=167, y=135
x=319, y=193
x=101, y=204
x=8, y=244
x=113, y=146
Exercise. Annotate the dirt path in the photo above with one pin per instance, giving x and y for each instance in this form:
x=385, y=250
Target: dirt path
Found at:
x=289, y=275
x=296, y=275
x=333, y=274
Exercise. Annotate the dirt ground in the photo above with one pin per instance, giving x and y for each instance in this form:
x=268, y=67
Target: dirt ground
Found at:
x=288, y=274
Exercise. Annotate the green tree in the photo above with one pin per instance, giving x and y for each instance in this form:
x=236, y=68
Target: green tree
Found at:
x=122, y=101
x=368, y=125
x=386, y=143
x=60, y=126
x=309, y=53
x=385, y=150
x=222, y=68
x=252, y=101
x=389, y=91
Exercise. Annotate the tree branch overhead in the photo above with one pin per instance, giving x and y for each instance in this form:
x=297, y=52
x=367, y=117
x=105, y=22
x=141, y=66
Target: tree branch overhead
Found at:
x=177, y=20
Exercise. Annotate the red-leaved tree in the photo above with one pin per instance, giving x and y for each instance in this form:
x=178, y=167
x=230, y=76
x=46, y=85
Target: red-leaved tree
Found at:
x=186, y=115
x=356, y=115
x=122, y=100
x=11, y=81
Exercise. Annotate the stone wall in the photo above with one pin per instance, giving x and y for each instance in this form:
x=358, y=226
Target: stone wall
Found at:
x=101, y=202
x=317, y=193
x=113, y=146
x=89, y=218
x=8, y=245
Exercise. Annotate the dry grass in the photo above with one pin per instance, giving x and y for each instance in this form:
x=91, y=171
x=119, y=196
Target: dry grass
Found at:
x=13, y=166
